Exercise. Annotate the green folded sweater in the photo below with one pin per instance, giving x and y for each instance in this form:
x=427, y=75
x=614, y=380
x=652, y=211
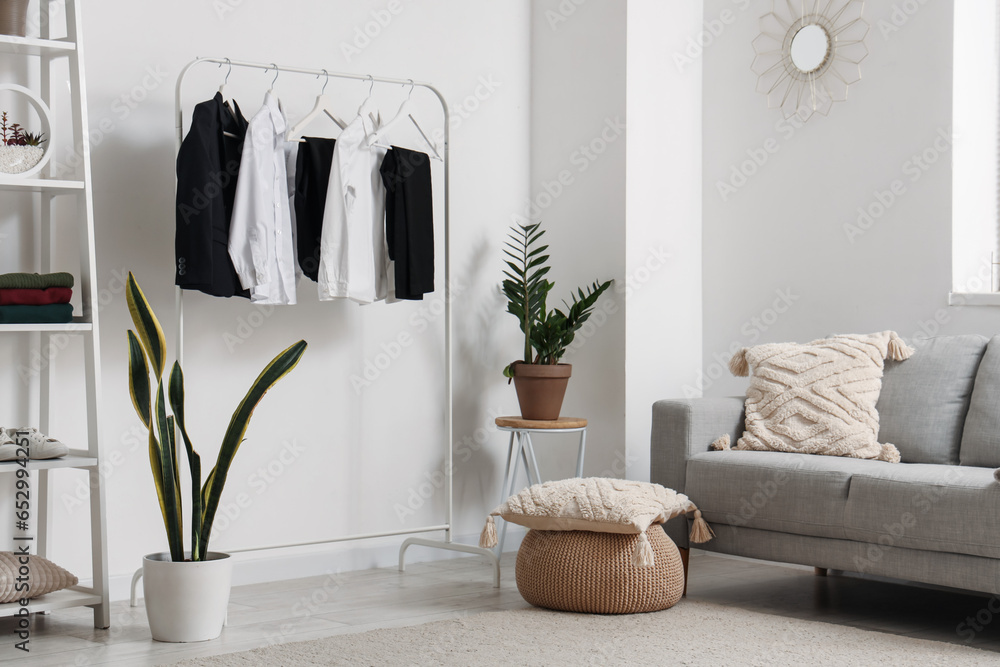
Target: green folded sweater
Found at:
x=35, y=280
x=56, y=313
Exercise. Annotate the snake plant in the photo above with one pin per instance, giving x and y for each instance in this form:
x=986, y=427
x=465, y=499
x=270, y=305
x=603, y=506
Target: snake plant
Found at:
x=149, y=347
x=547, y=332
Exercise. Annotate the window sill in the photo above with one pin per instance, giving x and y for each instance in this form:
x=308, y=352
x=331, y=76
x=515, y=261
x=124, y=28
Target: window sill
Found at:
x=974, y=299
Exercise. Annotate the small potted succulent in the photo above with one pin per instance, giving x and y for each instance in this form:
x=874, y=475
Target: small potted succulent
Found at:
x=20, y=150
x=539, y=379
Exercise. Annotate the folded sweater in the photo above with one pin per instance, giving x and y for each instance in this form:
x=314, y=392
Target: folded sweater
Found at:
x=35, y=280
x=55, y=313
x=35, y=297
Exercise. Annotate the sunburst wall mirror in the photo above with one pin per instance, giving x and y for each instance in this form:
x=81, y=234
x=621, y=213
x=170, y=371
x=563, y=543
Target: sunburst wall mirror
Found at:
x=809, y=53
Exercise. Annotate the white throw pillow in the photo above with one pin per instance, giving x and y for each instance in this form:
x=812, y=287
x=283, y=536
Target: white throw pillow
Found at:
x=600, y=505
x=818, y=397
x=43, y=576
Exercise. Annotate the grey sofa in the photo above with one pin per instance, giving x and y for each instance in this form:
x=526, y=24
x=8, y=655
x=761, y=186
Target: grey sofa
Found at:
x=933, y=518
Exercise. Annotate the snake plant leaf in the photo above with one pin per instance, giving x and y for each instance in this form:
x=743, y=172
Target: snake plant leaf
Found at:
x=176, y=395
x=280, y=366
x=155, y=468
x=147, y=325
x=138, y=378
x=169, y=480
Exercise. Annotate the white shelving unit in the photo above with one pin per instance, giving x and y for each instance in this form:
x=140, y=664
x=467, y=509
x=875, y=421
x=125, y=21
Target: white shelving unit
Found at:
x=45, y=189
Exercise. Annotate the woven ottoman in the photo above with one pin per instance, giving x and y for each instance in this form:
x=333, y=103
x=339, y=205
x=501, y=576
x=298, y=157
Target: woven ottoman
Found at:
x=584, y=571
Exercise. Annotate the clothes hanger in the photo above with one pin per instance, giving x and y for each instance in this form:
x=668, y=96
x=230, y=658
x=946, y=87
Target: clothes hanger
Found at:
x=222, y=88
x=405, y=111
x=368, y=106
x=276, y=73
x=324, y=105
x=225, y=102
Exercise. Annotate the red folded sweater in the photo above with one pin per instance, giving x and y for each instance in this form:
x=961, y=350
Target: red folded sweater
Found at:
x=35, y=297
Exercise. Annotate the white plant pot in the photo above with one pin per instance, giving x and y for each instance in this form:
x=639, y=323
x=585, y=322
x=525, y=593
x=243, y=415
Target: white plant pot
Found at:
x=186, y=602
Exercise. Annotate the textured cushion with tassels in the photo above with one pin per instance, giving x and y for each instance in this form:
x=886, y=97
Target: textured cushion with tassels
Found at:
x=43, y=577
x=600, y=505
x=818, y=397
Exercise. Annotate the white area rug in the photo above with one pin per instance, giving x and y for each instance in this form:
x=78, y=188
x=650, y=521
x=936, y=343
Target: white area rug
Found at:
x=690, y=634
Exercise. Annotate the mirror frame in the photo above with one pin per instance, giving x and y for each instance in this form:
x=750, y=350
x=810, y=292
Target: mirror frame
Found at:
x=797, y=92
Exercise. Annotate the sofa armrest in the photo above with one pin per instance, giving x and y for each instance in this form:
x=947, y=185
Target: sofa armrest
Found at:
x=682, y=427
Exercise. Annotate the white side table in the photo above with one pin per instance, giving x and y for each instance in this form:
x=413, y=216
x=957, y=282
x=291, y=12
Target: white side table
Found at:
x=521, y=448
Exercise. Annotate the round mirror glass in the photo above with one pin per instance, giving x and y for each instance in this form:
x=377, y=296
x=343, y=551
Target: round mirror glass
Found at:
x=810, y=47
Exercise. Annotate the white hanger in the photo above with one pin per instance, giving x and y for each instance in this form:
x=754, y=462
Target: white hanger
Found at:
x=368, y=106
x=275, y=79
x=375, y=138
x=324, y=105
x=222, y=88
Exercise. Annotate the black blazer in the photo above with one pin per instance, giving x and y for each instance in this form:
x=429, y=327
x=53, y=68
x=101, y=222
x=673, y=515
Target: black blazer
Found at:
x=208, y=164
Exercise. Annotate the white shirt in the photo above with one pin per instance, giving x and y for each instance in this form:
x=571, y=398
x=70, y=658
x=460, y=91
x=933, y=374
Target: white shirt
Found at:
x=354, y=258
x=261, y=241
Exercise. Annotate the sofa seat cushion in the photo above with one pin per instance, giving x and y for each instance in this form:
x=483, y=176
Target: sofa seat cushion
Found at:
x=791, y=493
x=924, y=400
x=954, y=509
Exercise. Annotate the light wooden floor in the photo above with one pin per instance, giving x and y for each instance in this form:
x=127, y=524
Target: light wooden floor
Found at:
x=316, y=607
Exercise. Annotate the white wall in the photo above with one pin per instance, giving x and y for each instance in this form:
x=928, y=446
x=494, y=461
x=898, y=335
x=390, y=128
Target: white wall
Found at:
x=320, y=460
x=578, y=192
x=663, y=234
x=778, y=261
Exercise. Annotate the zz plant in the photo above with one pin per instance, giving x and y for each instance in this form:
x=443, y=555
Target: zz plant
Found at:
x=147, y=347
x=547, y=333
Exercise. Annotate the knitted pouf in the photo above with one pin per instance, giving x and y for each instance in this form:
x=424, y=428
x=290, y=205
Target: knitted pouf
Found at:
x=583, y=571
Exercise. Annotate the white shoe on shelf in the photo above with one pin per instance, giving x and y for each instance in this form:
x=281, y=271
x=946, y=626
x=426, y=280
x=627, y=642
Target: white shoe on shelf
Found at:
x=8, y=450
x=40, y=446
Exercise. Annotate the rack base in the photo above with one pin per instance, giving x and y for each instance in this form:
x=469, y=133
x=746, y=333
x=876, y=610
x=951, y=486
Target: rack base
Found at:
x=450, y=546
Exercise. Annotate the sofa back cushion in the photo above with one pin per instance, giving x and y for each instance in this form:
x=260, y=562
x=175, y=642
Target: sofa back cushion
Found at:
x=924, y=400
x=981, y=436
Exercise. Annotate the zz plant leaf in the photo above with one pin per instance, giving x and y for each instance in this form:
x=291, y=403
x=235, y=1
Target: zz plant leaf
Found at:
x=547, y=333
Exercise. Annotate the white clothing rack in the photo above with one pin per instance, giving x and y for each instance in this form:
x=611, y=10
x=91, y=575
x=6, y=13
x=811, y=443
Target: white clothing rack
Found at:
x=446, y=543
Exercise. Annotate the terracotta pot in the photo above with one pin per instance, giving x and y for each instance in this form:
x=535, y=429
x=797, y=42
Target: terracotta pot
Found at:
x=541, y=389
x=13, y=17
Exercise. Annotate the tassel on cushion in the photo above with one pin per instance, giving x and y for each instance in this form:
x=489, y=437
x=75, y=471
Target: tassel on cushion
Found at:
x=720, y=444
x=738, y=365
x=643, y=555
x=700, y=530
x=488, y=538
x=888, y=453
x=898, y=349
